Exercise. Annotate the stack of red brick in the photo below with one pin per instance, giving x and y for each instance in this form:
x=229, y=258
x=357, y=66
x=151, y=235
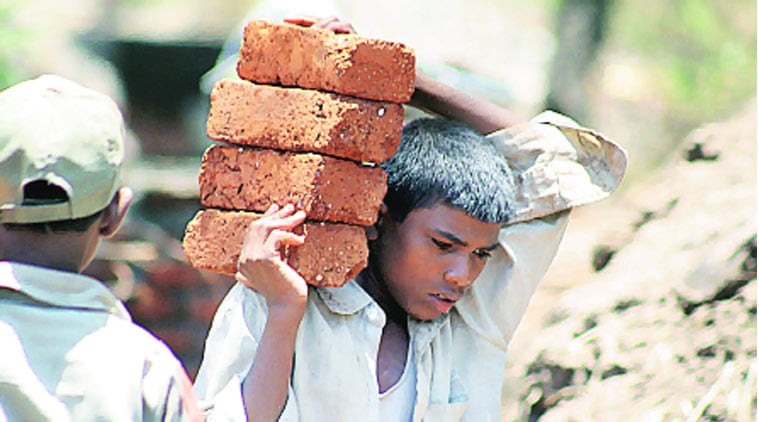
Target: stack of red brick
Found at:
x=314, y=114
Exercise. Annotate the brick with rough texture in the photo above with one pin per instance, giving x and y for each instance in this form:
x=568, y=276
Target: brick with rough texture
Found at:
x=295, y=119
x=326, y=188
x=331, y=255
x=284, y=54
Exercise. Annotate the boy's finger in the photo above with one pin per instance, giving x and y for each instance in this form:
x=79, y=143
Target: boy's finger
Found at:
x=259, y=221
x=332, y=23
x=341, y=28
x=284, y=211
x=271, y=210
x=275, y=211
x=302, y=20
x=325, y=22
x=288, y=222
x=285, y=238
x=262, y=227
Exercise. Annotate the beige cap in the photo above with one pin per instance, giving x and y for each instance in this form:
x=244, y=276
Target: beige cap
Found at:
x=54, y=130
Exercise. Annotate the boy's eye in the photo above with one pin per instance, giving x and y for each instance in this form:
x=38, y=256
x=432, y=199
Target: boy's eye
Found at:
x=443, y=246
x=482, y=253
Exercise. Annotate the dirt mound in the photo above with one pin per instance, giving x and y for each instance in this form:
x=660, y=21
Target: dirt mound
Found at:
x=665, y=329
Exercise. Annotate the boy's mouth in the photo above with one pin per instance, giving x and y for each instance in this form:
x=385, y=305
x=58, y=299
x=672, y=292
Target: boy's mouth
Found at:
x=444, y=297
x=442, y=302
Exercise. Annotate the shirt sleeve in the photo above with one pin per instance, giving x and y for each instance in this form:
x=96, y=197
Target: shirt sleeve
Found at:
x=557, y=166
x=231, y=345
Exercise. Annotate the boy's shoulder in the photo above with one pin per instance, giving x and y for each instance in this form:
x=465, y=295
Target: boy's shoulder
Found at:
x=82, y=307
x=243, y=306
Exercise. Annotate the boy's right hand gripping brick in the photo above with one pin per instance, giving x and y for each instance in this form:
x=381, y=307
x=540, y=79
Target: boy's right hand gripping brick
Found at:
x=291, y=55
x=332, y=254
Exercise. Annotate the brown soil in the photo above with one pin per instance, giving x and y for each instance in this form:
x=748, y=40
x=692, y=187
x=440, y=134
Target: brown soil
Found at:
x=649, y=311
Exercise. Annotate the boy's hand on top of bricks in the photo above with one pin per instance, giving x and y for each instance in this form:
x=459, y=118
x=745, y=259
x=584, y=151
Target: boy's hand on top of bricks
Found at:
x=261, y=266
x=332, y=23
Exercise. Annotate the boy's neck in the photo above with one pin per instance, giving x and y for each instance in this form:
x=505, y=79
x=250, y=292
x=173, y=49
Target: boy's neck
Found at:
x=63, y=252
x=372, y=283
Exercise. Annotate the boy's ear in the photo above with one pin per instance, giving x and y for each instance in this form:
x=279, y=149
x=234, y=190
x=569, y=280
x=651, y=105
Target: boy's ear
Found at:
x=372, y=232
x=383, y=212
x=114, y=213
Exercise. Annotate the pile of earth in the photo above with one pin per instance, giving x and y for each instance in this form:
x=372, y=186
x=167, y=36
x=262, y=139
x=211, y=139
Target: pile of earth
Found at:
x=663, y=324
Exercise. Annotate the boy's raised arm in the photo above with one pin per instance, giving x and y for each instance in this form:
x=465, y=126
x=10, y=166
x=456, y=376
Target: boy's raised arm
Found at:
x=437, y=98
x=433, y=96
x=262, y=269
x=265, y=387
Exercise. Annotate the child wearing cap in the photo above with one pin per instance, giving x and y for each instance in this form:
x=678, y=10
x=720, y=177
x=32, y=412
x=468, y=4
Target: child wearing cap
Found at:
x=69, y=348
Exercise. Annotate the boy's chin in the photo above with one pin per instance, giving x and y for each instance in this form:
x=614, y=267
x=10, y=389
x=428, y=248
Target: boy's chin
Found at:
x=426, y=316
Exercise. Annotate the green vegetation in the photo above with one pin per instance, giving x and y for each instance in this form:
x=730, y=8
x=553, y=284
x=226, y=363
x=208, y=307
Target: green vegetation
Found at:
x=702, y=53
x=12, y=42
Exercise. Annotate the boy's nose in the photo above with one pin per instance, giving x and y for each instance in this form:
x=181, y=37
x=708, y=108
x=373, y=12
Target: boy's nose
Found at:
x=457, y=277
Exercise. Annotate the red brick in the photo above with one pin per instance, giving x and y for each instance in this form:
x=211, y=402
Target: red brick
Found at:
x=303, y=120
x=331, y=255
x=328, y=189
x=291, y=55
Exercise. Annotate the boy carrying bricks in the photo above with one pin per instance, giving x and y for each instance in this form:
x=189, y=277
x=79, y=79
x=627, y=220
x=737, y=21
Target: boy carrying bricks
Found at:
x=69, y=348
x=476, y=206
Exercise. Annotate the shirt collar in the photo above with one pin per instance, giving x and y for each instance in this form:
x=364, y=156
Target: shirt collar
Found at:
x=351, y=298
x=422, y=332
x=60, y=288
x=345, y=300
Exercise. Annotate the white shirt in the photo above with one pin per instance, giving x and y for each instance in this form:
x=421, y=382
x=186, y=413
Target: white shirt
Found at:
x=69, y=352
x=460, y=356
x=397, y=402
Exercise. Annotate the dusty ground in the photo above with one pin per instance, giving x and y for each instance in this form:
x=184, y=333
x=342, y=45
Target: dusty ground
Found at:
x=666, y=329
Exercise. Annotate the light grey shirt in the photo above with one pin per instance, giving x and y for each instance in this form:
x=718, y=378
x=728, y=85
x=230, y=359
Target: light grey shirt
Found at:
x=69, y=352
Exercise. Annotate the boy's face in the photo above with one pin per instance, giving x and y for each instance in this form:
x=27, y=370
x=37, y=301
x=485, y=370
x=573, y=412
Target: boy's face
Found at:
x=433, y=256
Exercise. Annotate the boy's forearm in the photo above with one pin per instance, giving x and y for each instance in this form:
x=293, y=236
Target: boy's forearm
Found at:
x=437, y=98
x=265, y=387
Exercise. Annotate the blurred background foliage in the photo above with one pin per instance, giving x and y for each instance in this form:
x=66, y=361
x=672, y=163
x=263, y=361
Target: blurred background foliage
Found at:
x=12, y=42
x=671, y=64
x=700, y=54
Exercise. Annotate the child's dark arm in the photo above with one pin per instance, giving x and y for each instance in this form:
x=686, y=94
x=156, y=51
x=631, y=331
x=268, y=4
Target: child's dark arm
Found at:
x=262, y=269
x=433, y=96
x=437, y=98
x=265, y=388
